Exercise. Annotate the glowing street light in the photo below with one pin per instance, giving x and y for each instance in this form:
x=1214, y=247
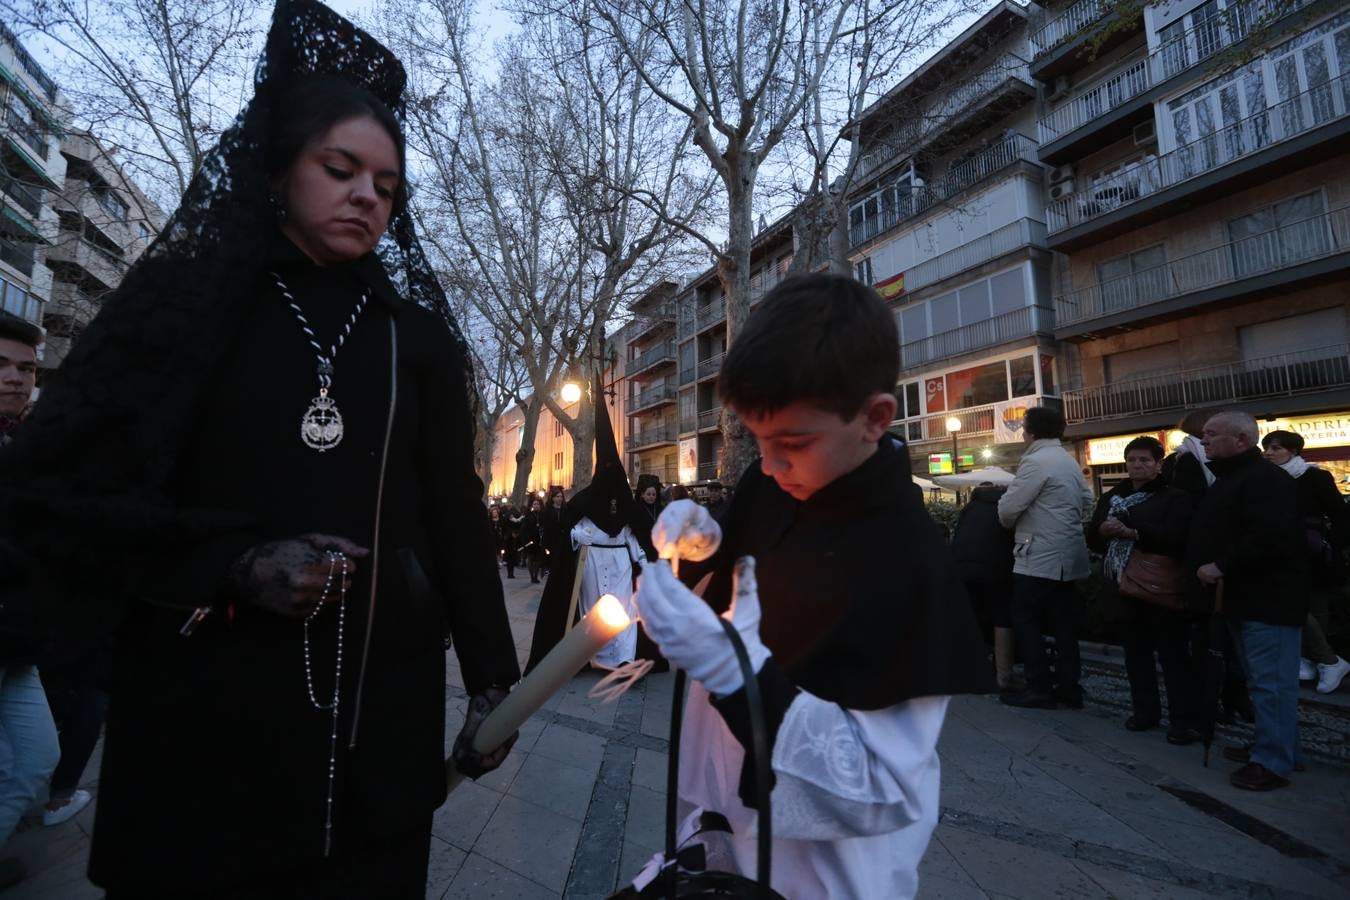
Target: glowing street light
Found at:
x=571, y=392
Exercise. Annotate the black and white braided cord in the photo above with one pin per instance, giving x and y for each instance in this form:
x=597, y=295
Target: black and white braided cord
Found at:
x=325, y=359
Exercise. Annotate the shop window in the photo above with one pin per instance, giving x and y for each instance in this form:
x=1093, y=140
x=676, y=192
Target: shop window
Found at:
x=977, y=386
x=1022, y=376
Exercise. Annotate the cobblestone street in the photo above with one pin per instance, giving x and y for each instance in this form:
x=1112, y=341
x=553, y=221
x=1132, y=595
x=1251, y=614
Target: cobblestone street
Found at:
x=1035, y=804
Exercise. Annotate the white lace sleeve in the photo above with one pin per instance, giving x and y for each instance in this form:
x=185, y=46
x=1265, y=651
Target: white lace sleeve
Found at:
x=844, y=773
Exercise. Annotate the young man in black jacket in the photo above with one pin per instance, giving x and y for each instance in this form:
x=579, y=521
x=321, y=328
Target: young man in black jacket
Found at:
x=1245, y=537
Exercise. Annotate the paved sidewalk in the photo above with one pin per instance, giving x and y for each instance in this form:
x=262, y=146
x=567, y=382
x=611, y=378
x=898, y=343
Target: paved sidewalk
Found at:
x=1035, y=804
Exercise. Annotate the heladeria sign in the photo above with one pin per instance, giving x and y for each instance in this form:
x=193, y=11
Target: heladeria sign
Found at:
x=1326, y=430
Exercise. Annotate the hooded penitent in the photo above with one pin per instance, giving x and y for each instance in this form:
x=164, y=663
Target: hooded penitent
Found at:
x=606, y=506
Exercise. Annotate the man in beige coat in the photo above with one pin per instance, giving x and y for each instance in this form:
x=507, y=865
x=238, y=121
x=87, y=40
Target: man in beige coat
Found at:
x=1046, y=506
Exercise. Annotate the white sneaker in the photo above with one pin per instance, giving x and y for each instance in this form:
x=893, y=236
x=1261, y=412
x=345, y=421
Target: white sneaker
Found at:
x=1329, y=678
x=1306, y=670
x=78, y=801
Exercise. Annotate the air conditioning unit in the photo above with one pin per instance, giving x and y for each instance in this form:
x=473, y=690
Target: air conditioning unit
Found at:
x=1145, y=133
x=1059, y=173
x=1058, y=88
x=1060, y=190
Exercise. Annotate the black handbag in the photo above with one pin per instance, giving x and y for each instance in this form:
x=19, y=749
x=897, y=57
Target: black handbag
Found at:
x=679, y=881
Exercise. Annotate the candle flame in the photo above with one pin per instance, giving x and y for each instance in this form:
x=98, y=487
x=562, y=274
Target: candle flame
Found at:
x=611, y=612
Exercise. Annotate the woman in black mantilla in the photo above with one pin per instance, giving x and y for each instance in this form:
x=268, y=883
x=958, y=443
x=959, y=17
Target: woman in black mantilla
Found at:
x=648, y=506
x=256, y=469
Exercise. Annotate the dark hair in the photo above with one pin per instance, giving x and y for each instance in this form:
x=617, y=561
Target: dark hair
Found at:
x=1193, y=423
x=12, y=328
x=1044, y=422
x=1289, y=440
x=313, y=105
x=1151, y=444
x=826, y=340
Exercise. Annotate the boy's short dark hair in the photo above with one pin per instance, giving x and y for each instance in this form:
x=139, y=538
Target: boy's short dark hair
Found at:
x=1289, y=440
x=13, y=328
x=1144, y=442
x=1044, y=422
x=826, y=340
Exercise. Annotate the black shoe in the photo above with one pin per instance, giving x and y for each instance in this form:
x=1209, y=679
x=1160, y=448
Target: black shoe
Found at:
x=1139, y=723
x=1256, y=777
x=1029, y=699
x=1183, y=737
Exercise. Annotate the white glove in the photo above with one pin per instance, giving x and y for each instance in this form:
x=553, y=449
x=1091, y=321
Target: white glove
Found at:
x=688, y=633
x=686, y=530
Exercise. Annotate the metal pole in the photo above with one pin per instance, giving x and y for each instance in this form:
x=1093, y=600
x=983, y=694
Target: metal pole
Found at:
x=955, y=469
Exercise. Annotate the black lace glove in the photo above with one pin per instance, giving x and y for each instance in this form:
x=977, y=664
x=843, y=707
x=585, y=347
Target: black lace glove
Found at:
x=471, y=763
x=287, y=577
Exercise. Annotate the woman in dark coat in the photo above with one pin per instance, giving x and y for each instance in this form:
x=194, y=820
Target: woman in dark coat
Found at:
x=280, y=594
x=1145, y=513
x=983, y=552
x=503, y=537
x=1326, y=531
x=647, y=495
x=530, y=539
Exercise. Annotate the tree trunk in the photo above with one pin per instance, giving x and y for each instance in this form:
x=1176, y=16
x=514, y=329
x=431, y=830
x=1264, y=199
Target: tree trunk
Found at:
x=583, y=441
x=733, y=270
x=485, y=441
x=525, y=455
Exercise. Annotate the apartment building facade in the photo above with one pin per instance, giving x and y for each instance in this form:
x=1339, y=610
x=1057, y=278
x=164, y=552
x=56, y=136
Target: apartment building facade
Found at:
x=674, y=353
x=31, y=172
x=1199, y=213
x=104, y=223
x=947, y=220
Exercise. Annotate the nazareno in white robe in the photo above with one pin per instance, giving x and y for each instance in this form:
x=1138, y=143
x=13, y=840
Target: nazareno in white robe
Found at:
x=609, y=570
x=854, y=804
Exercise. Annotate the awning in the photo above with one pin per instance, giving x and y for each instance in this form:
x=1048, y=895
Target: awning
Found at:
x=24, y=225
x=38, y=168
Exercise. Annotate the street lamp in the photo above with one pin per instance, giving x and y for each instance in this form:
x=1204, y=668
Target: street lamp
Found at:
x=987, y=454
x=953, y=426
x=571, y=392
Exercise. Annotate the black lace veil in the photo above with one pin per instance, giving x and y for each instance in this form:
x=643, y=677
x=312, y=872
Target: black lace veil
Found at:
x=86, y=477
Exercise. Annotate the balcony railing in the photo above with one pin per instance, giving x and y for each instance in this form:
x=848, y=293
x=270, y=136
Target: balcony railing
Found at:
x=1020, y=323
x=653, y=396
x=18, y=254
x=26, y=196
x=661, y=353
x=1311, y=109
x=960, y=177
x=1137, y=74
x=975, y=422
x=27, y=64
x=710, y=418
x=1258, y=254
x=710, y=366
x=1288, y=374
x=649, y=437
x=688, y=425
x=1128, y=82
x=1068, y=23
x=710, y=314
x=652, y=319
x=31, y=134
x=1022, y=233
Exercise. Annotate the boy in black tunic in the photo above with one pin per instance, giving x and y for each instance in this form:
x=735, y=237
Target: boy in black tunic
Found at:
x=864, y=630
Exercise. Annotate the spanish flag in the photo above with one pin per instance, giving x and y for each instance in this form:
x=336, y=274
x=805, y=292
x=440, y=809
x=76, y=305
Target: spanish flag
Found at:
x=891, y=287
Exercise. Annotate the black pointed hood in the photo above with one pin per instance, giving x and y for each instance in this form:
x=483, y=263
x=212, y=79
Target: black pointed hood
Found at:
x=607, y=500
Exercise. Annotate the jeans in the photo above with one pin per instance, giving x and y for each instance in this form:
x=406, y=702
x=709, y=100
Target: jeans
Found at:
x=1037, y=603
x=1269, y=653
x=28, y=744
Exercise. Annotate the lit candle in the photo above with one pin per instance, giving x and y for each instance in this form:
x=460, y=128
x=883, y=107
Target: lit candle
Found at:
x=599, y=626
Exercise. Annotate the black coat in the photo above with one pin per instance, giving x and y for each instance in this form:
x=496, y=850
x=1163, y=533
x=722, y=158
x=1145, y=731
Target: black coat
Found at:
x=215, y=763
x=1248, y=524
x=981, y=547
x=861, y=604
x=644, y=519
x=1184, y=471
x=528, y=537
x=1163, y=521
x=1325, y=517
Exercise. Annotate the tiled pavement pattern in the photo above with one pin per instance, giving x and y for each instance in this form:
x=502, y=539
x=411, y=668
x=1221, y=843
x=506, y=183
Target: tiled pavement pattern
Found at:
x=1035, y=805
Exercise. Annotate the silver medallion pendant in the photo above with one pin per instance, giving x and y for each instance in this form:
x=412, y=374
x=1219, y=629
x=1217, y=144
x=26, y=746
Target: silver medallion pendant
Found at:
x=321, y=427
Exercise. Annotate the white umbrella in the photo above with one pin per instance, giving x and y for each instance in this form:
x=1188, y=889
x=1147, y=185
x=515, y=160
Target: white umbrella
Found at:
x=925, y=485
x=991, y=474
